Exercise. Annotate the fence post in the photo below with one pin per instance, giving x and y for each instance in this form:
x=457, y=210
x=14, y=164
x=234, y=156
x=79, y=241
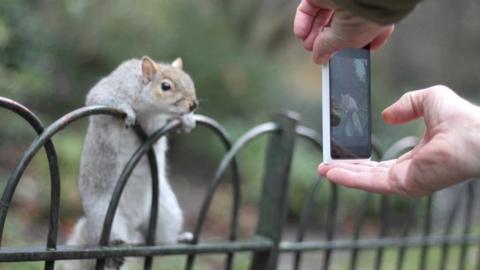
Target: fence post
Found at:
x=273, y=202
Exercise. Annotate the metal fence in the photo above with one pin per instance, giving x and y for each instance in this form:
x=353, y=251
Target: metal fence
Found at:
x=268, y=245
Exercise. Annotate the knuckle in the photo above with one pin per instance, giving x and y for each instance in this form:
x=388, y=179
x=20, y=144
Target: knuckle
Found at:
x=329, y=44
x=412, y=98
x=438, y=90
x=407, y=95
x=441, y=87
x=332, y=41
x=298, y=11
x=357, y=41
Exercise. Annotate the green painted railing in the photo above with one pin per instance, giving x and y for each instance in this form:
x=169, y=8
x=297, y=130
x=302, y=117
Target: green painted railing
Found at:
x=268, y=245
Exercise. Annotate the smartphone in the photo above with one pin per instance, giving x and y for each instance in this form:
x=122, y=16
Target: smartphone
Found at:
x=346, y=111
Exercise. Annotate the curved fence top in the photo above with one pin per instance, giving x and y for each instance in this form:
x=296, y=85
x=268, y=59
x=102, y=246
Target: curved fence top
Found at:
x=417, y=230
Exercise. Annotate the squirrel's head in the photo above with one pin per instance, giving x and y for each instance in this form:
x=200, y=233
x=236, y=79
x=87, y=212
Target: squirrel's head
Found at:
x=167, y=87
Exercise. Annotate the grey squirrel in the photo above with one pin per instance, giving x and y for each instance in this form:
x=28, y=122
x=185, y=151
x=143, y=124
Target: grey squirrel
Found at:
x=150, y=94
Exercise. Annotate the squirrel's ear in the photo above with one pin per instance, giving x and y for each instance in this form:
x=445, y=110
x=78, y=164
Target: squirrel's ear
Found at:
x=178, y=63
x=149, y=68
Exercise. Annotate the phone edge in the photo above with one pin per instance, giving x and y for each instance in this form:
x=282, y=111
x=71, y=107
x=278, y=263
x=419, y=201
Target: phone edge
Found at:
x=326, y=113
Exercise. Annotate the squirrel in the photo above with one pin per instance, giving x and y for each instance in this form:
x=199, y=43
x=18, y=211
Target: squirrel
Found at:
x=150, y=94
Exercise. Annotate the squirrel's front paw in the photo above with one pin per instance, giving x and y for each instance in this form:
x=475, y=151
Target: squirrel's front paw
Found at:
x=115, y=262
x=188, y=122
x=130, y=116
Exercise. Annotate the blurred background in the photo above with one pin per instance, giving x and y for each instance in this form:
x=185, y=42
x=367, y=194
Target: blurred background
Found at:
x=246, y=64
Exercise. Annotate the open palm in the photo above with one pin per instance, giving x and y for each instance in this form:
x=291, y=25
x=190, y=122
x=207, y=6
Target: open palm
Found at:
x=448, y=153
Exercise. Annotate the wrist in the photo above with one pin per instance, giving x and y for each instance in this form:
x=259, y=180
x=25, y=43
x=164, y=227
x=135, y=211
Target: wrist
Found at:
x=377, y=11
x=472, y=143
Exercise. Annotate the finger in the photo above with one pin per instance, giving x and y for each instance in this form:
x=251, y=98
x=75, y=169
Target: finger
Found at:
x=310, y=39
x=407, y=155
x=306, y=13
x=366, y=166
x=324, y=16
x=380, y=40
x=407, y=108
x=326, y=43
x=376, y=181
x=387, y=163
x=359, y=167
x=323, y=169
x=320, y=21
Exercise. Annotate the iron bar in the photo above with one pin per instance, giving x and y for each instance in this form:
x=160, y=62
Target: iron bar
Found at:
x=400, y=147
x=427, y=226
x=305, y=220
x=447, y=231
x=274, y=203
x=405, y=232
x=384, y=209
x=152, y=224
x=36, y=145
x=330, y=228
x=214, y=183
x=267, y=247
x=357, y=229
x=37, y=125
x=122, y=181
x=467, y=223
x=368, y=244
x=223, y=135
x=20, y=254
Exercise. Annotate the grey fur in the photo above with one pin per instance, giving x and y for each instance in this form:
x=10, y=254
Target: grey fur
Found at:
x=109, y=144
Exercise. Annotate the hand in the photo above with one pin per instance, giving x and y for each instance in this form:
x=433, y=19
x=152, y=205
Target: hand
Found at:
x=325, y=29
x=448, y=153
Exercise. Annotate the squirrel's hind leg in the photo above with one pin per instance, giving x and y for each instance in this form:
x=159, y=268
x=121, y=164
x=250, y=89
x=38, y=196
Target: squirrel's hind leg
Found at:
x=79, y=238
x=170, y=216
x=120, y=232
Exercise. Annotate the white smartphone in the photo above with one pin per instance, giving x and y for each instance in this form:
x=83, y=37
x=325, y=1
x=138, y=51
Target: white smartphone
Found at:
x=346, y=111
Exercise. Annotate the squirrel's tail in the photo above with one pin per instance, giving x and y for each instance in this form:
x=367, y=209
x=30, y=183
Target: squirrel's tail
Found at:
x=79, y=237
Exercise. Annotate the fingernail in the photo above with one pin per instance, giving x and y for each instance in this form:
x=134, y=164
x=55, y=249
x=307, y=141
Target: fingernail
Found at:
x=323, y=59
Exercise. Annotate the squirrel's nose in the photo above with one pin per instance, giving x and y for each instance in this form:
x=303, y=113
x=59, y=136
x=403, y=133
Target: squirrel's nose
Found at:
x=193, y=105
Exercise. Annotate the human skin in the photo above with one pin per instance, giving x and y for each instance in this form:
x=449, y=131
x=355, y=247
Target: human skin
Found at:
x=325, y=28
x=449, y=152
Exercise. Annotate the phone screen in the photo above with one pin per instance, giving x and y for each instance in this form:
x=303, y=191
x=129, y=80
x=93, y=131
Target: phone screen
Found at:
x=350, y=121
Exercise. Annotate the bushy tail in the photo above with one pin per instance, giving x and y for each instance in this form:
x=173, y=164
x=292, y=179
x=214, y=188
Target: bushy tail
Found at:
x=79, y=237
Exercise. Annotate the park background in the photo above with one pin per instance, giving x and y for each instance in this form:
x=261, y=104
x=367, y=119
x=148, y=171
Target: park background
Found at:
x=246, y=64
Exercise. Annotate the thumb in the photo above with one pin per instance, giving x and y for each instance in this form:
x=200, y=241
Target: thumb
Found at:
x=326, y=44
x=409, y=107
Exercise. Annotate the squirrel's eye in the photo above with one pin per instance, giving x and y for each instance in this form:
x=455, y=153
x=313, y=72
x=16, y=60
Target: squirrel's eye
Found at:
x=166, y=86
